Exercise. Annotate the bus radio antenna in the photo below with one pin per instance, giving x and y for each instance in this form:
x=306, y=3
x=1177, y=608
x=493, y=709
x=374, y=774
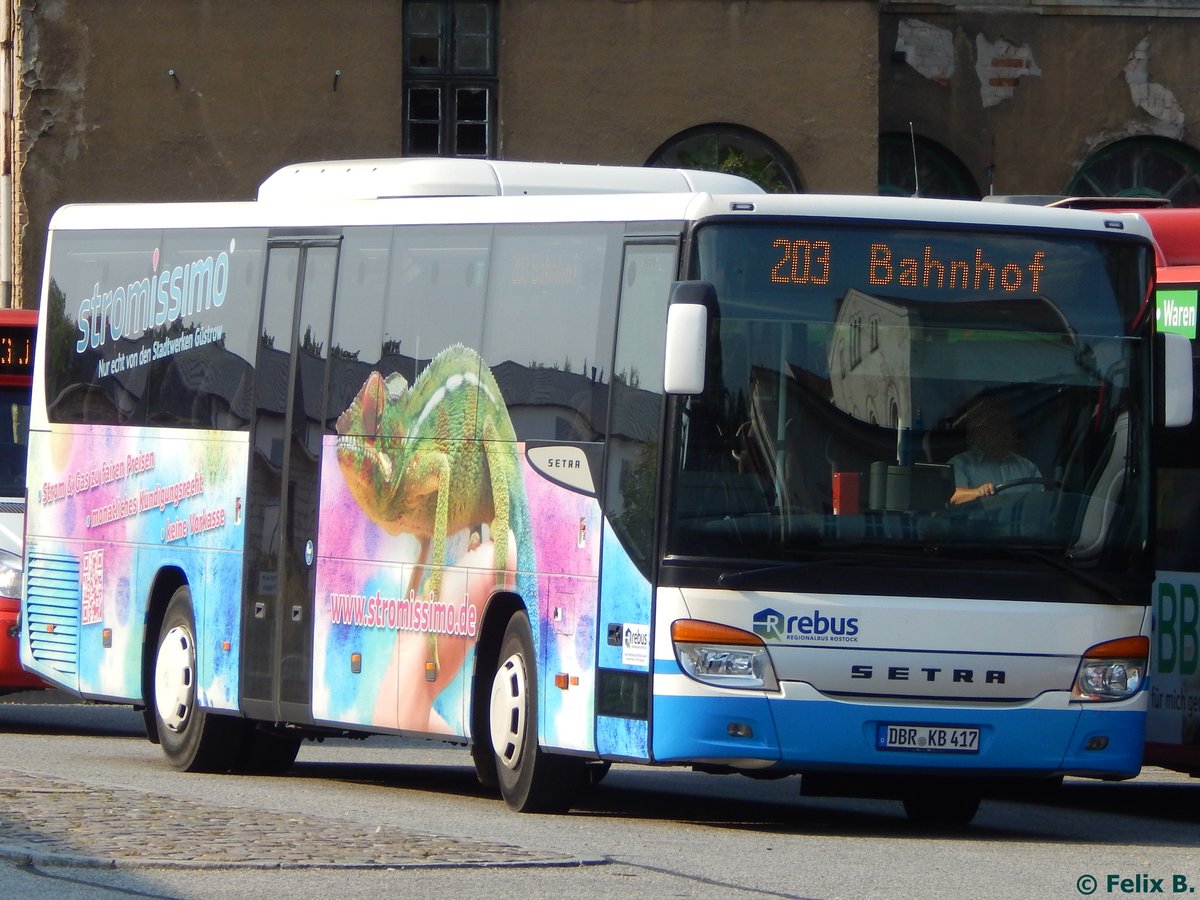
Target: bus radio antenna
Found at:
x=916, y=177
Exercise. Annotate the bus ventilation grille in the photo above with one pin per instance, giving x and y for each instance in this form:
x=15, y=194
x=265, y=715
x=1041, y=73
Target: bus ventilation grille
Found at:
x=52, y=610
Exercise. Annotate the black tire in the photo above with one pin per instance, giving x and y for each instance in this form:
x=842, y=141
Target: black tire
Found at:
x=266, y=752
x=149, y=720
x=530, y=779
x=192, y=739
x=483, y=757
x=481, y=742
x=942, y=805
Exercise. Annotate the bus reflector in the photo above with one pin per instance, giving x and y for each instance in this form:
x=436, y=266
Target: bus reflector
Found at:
x=1121, y=648
x=693, y=631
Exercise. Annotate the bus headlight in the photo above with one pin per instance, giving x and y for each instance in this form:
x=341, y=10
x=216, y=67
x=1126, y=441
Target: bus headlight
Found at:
x=723, y=656
x=1114, y=670
x=10, y=575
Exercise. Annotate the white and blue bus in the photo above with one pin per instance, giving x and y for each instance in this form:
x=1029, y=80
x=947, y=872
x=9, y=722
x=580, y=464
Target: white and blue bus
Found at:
x=582, y=465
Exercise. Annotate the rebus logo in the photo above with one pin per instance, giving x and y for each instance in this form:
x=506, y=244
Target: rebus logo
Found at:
x=772, y=625
x=767, y=624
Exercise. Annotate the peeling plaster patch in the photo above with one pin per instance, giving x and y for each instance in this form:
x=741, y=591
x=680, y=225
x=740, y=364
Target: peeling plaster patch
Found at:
x=1000, y=66
x=1154, y=98
x=927, y=48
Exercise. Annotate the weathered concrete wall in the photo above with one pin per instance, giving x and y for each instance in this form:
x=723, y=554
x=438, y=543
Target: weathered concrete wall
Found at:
x=1035, y=95
x=99, y=118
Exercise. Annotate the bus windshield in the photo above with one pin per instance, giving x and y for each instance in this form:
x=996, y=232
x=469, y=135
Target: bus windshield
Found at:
x=970, y=394
x=14, y=436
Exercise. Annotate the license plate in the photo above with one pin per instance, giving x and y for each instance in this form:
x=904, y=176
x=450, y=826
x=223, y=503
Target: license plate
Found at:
x=930, y=738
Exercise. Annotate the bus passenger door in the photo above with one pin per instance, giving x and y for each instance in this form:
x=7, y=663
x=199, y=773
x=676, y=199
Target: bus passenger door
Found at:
x=634, y=446
x=281, y=513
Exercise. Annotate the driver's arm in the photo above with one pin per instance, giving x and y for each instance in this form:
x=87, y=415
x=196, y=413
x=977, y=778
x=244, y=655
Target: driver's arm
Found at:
x=966, y=494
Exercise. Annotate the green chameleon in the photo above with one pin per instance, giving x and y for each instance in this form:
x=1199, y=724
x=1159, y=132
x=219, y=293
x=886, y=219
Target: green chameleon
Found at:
x=434, y=458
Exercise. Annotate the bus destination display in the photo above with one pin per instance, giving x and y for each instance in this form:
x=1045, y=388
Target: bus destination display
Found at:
x=804, y=261
x=16, y=350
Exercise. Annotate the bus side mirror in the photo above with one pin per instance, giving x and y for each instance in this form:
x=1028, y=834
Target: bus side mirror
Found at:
x=687, y=336
x=1176, y=388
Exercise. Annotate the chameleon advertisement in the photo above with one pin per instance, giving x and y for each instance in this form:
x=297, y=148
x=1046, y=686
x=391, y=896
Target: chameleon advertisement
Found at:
x=144, y=501
x=428, y=505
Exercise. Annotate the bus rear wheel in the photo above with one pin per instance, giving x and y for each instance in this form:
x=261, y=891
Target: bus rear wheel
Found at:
x=192, y=739
x=531, y=780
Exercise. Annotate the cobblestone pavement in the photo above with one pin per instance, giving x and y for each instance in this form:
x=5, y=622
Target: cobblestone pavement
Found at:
x=51, y=822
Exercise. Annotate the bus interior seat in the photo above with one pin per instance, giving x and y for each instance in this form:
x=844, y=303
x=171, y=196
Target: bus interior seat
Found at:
x=1103, y=500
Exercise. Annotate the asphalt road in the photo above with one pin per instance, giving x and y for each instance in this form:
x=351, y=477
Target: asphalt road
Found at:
x=88, y=808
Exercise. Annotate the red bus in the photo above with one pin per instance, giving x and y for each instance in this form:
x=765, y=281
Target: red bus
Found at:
x=1173, y=716
x=1173, y=722
x=16, y=377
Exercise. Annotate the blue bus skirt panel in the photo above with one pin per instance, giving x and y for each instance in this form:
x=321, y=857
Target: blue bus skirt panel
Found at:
x=714, y=728
x=1122, y=733
x=824, y=734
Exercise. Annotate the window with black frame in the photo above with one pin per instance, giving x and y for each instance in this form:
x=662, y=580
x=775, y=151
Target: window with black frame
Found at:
x=450, y=78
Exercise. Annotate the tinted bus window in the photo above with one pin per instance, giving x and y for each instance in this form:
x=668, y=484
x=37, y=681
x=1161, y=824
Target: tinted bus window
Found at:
x=147, y=330
x=550, y=319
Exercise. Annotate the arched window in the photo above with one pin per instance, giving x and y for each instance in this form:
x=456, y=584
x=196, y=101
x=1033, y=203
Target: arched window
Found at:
x=732, y=149
x=939, y=173
x=1141, y=167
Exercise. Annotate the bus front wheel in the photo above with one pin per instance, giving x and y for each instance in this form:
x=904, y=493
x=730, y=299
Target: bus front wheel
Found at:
x=942, y=804
x=192, y=739
x=531, y=780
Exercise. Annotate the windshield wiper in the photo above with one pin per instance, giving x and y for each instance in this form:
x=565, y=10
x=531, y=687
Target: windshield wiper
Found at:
x=985, y=551
x=932, y=555
x=1084, y=578
x=735, y=578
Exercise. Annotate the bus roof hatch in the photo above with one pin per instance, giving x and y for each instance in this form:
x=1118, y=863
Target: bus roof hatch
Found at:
x=362, y=179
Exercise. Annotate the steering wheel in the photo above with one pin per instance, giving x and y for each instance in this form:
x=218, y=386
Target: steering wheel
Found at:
x=1022, y=482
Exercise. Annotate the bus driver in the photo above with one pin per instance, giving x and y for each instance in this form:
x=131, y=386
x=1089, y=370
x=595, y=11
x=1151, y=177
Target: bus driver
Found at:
x=992, y=458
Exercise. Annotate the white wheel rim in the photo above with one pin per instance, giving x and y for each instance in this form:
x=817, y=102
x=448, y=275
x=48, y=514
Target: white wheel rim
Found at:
x=174, y=681
x=507, y=712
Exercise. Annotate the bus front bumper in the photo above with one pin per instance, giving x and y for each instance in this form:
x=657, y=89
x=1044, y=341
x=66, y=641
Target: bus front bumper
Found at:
x=801, y=730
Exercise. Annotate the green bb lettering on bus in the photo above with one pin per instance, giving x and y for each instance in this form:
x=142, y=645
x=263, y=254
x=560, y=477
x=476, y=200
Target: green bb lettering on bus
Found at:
x=1178, y=611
